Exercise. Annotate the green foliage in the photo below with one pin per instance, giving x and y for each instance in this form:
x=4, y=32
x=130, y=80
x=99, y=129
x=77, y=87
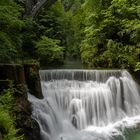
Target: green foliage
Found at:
x=96, y=5
x=7, y=99
x=10, y=28
x=137, y=67
x=33, y=74
x=104, y=33
x=64, y=21
x=72, y=5
x=75, y=33
x=112, y=36
x=49, y=51
x=7, y=126
x=52, y=22
x=29, y=38
x=19, y=90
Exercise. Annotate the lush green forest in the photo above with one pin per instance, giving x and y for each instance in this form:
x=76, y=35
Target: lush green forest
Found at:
x=103, y=34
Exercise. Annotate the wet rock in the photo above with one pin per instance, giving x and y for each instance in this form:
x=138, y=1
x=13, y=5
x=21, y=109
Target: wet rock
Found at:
x=33, y=79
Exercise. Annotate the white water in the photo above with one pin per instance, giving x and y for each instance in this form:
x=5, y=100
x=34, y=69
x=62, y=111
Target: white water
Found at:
x=86, y=104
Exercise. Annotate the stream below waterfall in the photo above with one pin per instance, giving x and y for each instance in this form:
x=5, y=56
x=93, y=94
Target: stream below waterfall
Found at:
x=87, y=105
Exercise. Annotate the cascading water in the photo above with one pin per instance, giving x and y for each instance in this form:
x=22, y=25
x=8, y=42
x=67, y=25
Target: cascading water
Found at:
x=86, y=104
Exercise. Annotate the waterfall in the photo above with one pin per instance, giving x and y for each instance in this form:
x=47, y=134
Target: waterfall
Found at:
x=86, y=104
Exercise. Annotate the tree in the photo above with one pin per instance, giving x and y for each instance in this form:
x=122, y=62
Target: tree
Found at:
x=10, y=28
x=112, y=36
x=49, y=51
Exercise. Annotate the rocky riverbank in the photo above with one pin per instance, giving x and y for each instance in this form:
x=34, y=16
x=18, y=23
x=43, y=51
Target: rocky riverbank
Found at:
x=17, y=81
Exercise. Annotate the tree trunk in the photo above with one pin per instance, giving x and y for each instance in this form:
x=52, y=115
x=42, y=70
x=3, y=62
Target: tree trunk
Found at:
x=29, y=6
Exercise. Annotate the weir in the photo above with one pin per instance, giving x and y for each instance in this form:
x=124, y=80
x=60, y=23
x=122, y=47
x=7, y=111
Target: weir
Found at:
x=86, y=104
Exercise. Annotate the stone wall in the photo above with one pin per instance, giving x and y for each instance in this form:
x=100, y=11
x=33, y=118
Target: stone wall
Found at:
x=12, y=72
x=21, y=74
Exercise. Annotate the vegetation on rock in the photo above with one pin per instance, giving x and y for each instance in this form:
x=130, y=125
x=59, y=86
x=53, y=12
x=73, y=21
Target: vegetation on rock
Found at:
x=8, y=129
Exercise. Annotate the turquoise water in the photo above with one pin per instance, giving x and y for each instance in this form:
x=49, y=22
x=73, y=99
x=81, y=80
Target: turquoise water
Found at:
x=133, y=134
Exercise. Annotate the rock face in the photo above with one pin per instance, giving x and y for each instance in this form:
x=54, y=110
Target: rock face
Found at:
x=22, y=76
x=28, y=126
x=33, y=79
x=25, y=74
x=136, y=76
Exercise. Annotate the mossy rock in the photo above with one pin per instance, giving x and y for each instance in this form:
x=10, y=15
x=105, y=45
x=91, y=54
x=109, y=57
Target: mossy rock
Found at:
x=33, y=79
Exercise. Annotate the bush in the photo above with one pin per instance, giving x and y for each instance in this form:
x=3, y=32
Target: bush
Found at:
x=10, y=31
x=7, y=126
x=49, y=51
x=112, y=36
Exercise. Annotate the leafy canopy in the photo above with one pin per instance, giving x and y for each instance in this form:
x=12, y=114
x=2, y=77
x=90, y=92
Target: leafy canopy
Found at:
x=112, y=37
x=49, y=51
